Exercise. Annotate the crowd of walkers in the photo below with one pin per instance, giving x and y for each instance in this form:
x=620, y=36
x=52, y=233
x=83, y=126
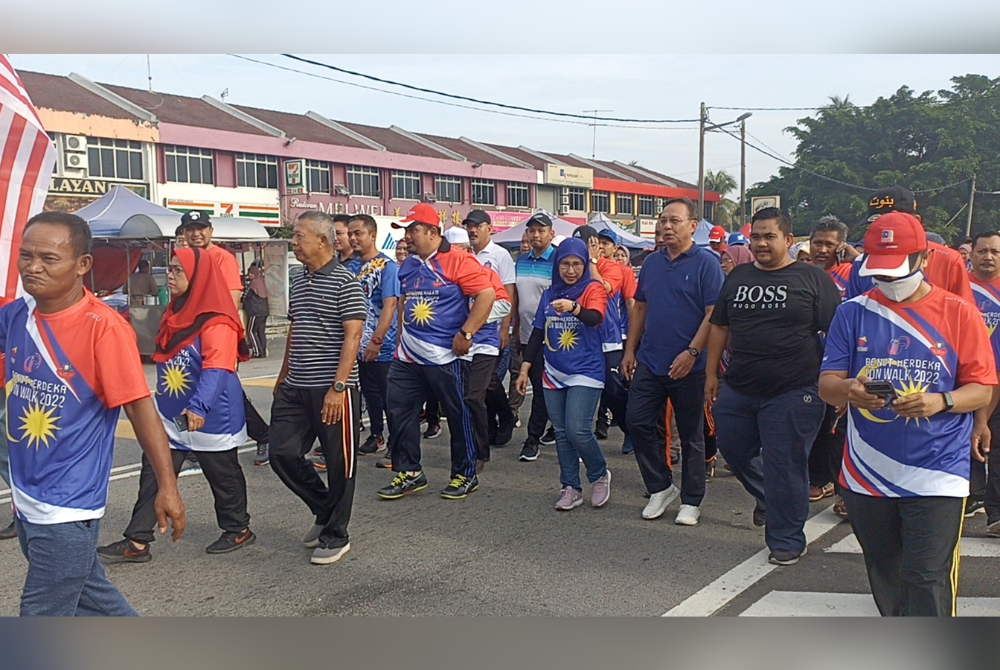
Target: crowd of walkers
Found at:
x=815, y=370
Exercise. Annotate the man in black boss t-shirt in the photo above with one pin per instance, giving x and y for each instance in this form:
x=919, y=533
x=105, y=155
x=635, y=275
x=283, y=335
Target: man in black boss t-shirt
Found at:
x=772, y=313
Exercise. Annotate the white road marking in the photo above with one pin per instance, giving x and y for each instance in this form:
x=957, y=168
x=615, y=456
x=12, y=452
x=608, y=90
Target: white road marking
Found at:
x=972, y=547
x=716, y=595
x=811, y=604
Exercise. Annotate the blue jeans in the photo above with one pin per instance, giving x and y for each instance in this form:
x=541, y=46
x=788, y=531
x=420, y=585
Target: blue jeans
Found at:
x=766, y=442
x=571, y=411
x=65, y=578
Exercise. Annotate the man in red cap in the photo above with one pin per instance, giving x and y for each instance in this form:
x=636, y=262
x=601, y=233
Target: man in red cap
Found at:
x=717, y=239
x=914, y=362
x=436, y=327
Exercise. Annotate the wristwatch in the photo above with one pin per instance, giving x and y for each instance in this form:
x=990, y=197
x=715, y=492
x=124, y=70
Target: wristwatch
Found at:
x=339, y=387
x=694, y=352
x=377, y=340
x=594, y=261
x=467, y=336
x=949, y=404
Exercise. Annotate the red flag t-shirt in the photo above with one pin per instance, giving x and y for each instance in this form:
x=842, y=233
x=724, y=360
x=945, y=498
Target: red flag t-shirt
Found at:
x=67, y=376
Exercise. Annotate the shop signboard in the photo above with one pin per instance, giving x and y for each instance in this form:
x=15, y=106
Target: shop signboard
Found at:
x=267, y=215
x=295, y=177
x=759, y=203
x=647, y=228
x=567, y=175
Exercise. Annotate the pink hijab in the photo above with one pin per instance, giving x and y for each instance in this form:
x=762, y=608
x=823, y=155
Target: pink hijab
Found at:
x=740, y=254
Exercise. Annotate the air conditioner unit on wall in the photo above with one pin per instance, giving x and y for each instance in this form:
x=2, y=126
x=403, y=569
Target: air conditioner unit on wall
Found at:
x=564, y=209
x=659, y=203
x=75, y=143
x=565, y=191
x=565, y=200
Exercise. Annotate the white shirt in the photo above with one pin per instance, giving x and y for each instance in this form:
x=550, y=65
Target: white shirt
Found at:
x=496, y=258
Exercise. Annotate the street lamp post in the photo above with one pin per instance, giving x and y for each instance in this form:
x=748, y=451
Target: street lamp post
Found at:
x=743, y=173
x=702, y=129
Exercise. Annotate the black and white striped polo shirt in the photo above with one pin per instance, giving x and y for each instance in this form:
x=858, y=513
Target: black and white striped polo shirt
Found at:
x=318, y=304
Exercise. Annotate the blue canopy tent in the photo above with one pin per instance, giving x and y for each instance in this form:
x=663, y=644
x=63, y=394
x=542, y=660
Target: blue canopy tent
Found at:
x=511, y=238
x=631, y=242
x=108, y=214
x=701, y=233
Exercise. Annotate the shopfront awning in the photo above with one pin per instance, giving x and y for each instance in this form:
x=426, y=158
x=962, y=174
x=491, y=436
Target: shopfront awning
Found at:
x=160, y=226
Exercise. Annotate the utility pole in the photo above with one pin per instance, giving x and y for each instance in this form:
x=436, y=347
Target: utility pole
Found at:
x=701, y=163
x=593, y=150
x=149, y=73
x=968, y=217
x=743, y=173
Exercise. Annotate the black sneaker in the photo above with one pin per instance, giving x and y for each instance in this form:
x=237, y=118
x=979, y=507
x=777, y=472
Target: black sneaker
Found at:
x=974, y=506
x=124, y=551
x=781, y=557
x=601, y=430
x=230, y=541
x=433, y=430
x=505, y=431
x=460, y=487
x=385, y=462
x=9, y=533
x=372, y=444
x=403, y=484
x=549, y=438
x=330, y=552
x=529, y=452
x=759, y=516
x=262, y=457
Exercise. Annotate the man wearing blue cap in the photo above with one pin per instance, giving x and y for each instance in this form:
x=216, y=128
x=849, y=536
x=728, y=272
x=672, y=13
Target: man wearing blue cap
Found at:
x=738, y=239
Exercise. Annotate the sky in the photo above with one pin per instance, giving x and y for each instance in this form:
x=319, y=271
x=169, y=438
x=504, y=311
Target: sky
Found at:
x=627, y=85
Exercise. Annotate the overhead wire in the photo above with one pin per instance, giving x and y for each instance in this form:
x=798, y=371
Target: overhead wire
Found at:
x=461, y=106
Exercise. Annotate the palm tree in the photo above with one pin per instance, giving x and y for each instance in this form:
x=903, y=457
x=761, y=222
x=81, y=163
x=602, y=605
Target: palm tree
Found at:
x=723, y=183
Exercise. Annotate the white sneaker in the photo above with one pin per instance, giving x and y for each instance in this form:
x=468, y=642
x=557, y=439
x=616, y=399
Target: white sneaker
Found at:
x=658, y=502
x=688, y=515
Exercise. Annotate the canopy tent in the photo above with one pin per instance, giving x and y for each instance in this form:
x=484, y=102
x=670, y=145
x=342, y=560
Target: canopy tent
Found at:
x=163, y=226
x=701, y=233
x=631, y=242
x=107, y=214
x=511, y=238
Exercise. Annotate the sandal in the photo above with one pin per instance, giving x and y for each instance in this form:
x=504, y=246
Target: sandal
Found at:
x=839, y=508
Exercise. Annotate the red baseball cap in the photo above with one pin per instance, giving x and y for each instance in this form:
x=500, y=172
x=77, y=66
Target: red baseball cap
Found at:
x=422, y=213
x=890, y=241
x=717, y=234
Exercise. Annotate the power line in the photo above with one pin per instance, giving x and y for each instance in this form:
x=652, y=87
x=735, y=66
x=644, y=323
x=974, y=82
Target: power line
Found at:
x=482, y=102
x=768, y=109
x=453, y=104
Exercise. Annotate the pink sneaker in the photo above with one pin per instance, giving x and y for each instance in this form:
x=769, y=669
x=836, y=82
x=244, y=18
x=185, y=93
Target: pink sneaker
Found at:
x=600, y=490
x=569, y=498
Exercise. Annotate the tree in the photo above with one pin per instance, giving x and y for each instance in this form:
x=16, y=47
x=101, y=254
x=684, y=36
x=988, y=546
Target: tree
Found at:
x=723, y=183
x=931, y=143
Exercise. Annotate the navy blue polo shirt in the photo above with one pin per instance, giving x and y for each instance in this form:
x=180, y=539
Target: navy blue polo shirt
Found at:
x=676, y=293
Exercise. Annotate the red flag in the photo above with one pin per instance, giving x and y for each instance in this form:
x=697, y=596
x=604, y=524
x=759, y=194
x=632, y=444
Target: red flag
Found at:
x=27, y=160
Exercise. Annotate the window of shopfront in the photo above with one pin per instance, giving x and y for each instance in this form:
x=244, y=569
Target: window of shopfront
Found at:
x=448, y=189
x=318, y=176
x=484, y=192
x=189, y=165
x=363, y=181
x=624, y=203
x=256, y=171
x=578, y=199
x=114, y=159
x=600, y=201
x=517, y=195
x=647, y=205
x=405, y=185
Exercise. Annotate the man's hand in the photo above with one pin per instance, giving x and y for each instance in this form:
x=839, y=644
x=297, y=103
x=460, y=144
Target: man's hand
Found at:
x=333, y=407
x=850, y=253
x=682, y=365
x=504, y=337
x=371, y=352
x=628, y=365
x=711, y=389
x=460, y=346
x=919, y=405
x=594, y=247
x=168, y=504
x=860, y=398
x=562, y=305
x=277, y=382
x=841, y=410
x=981, y=437
x=195, y=422
x=521, y=383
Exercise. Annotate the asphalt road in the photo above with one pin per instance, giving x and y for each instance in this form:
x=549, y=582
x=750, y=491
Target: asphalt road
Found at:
x=504, y=551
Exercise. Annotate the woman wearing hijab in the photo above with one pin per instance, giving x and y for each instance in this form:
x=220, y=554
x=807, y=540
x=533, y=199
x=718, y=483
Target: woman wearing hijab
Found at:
x=200, y=402
x=734, y=256
x=566, y=330
x=257, y=310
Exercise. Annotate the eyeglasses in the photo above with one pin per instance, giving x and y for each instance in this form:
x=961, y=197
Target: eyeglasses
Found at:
x=468, y=225
x=175, y=270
